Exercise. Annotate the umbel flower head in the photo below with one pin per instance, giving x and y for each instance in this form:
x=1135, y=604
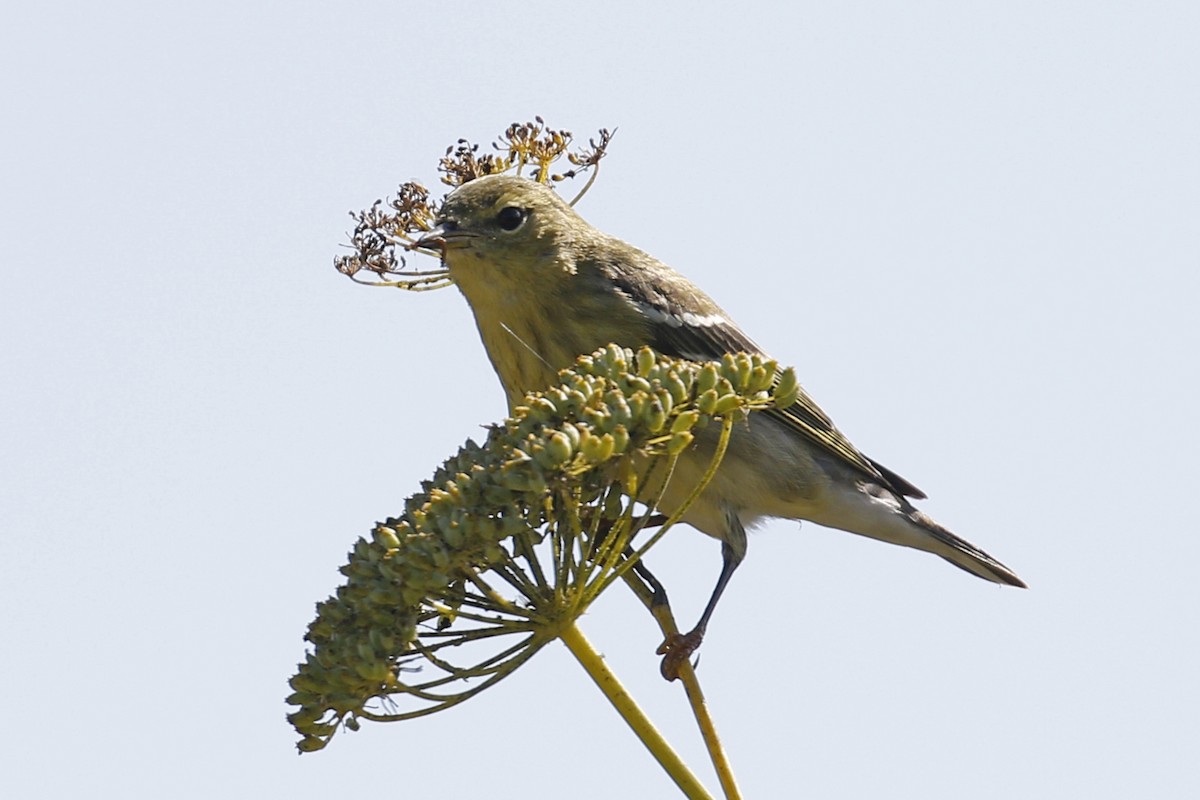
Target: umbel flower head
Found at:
x=513, y=539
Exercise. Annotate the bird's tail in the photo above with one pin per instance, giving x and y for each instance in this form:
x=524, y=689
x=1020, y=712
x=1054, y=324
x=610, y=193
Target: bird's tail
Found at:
x=962, y=553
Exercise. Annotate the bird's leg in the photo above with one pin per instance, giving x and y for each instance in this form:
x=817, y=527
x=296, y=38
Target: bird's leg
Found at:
x=659, y=592
x=679, y=647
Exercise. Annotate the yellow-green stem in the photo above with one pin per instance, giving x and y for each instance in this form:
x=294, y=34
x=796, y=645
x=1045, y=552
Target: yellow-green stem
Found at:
x=708, y=730
x=691, y=684
x=595, y=666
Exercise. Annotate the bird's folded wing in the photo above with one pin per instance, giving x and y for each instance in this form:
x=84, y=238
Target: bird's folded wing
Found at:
x=706, y=337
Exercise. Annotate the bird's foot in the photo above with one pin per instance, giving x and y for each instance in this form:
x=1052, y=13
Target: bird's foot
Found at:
x=677, y=649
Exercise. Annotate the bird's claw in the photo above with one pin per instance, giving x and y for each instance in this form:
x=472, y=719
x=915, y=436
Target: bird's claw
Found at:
x=677, y=649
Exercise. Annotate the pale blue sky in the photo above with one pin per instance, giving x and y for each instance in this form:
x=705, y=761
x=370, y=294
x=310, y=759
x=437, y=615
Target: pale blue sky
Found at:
x=973, y=228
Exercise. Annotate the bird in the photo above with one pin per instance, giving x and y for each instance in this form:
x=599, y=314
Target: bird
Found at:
x=545, y=287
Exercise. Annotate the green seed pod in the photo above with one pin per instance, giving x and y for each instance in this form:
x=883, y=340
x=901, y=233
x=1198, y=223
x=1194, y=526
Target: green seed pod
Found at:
x=571, y=431
x=761, y=379
x=517, y=457
x=685, y=421
x=326, y=661
x=620, y=436
x=707, y=402
x=618, y=408
x=707, y=379
x=575, y=401
x=741, y=377
x=386, y=537
x=787, y=390
x=321, y=629
x=542, y=405
x=656, y=415
x=628, y=477
x=559, y=448
x=596, y=417
x=306, y=716
x=617, y=359
x=376, y=671
x=679, y=441
x=301, y=682
x=645, y=361
x=676, y=387
x=665, y=398
x=635, y=383
x=310, y=744
x=637, y=406
x=599, y=448
x=728, y=403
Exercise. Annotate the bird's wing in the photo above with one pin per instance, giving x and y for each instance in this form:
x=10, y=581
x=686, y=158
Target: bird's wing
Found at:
x=708, y=335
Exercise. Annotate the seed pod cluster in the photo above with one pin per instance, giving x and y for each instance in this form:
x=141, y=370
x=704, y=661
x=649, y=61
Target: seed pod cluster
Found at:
x=563, y=456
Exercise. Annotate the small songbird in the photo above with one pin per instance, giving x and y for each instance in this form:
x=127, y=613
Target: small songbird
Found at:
x=546, y=287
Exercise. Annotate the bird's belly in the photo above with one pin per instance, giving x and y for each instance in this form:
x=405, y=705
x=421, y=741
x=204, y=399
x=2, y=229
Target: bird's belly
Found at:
x=766, y=472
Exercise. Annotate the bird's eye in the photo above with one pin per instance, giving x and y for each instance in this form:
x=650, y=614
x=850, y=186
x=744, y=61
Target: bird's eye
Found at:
x=510, y=218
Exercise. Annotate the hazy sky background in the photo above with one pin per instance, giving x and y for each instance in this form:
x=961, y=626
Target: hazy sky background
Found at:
x=973, y=227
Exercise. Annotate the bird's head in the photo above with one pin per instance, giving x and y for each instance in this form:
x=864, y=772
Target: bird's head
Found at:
x=504, y=225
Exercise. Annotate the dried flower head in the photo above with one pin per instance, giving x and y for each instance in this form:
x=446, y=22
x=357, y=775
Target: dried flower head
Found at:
x=526, y=148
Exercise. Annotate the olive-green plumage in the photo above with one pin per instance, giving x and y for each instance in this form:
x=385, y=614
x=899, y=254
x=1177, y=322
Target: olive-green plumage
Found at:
x=546, y=287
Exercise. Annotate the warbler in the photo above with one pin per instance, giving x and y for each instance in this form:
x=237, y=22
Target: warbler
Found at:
x=546, y=287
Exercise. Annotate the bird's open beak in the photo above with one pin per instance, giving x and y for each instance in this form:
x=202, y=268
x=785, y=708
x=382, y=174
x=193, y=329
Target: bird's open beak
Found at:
x=443, y=237
x=432, y=239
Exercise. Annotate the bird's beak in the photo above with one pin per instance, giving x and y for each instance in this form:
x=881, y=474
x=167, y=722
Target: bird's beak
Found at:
x=432, y=239
x=442, y=237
